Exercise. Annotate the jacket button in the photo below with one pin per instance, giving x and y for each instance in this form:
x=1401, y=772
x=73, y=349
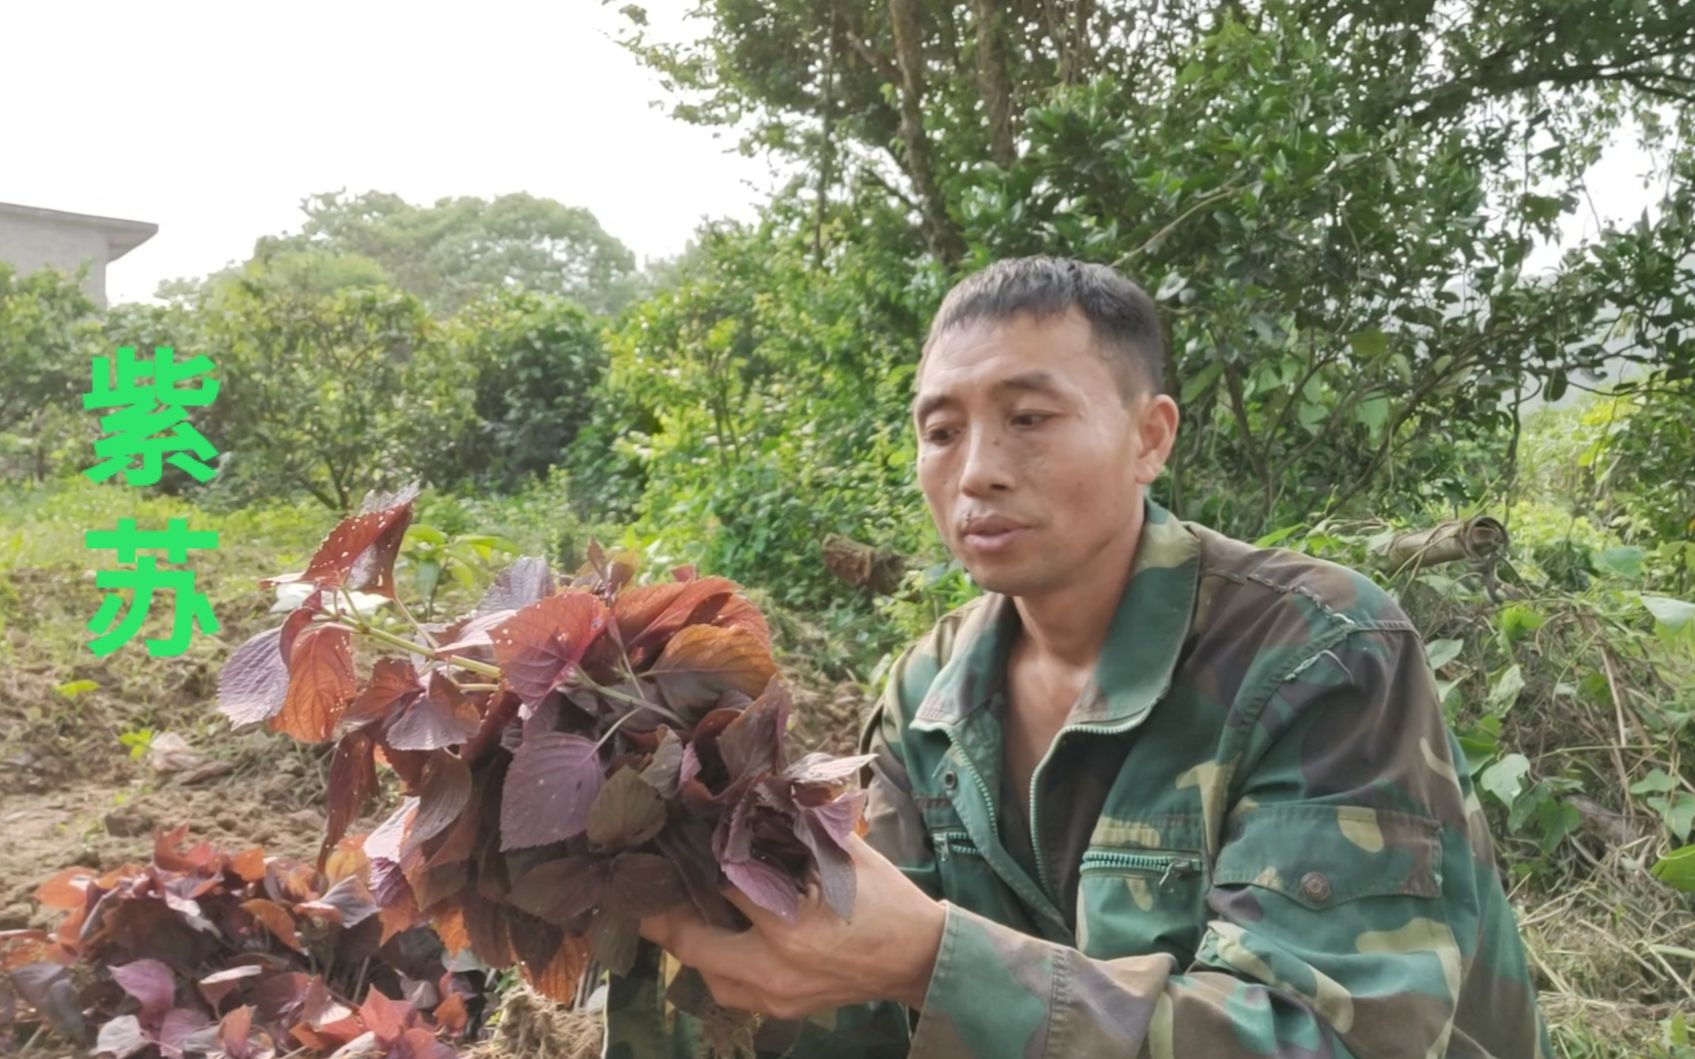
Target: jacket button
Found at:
x=1315, y=887
x=950, y=779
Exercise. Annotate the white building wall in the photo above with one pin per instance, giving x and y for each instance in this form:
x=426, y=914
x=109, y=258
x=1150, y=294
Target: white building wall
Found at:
x=30, y=243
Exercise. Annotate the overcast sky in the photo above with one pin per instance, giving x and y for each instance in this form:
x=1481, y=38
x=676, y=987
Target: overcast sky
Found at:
x=213, y=120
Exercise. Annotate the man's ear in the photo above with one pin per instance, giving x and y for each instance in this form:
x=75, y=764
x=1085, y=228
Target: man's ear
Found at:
x=1156, y=431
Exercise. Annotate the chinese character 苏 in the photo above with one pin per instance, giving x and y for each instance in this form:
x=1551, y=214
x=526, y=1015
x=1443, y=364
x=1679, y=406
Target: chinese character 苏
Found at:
x=192, y=608
x=150, y=426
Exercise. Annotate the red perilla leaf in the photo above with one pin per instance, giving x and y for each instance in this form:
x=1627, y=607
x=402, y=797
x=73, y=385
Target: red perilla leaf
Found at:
x=321, y=684
x=501, y=711
x=347, y=903
x=703, y=661
x=276, y=920
x=549, y=788
x=626, y=813
x=520, y=584
x=168, y=853
x=215, y=987
x=766, y=885
x=473, y=635
x=439, y=719
x=151, y=984
x=236, y=1036
x=559, y=891
x=394, y=684
x=613, y=939
x=839, y=818
x=826, y=771
x=825, y=829
x=296, y=621
x=254, y=681
x=386, y=1017
x=352, y=782
x=538, y=646
x=559, y=979
x=486, y=921
x=663, y=769
x=649, y=616
x=175, y=1029
x=688, y=845
x=121, y=1038
x=753, y=743
x=642, y=885
x=67, y=890
x=443, y=793
x=385, y=842
x=359, y=553
x=420, y=1043
x=610, y=573
x=50, y=989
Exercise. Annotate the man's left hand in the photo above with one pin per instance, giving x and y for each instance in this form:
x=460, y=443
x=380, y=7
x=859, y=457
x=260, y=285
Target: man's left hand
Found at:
x=886, y=951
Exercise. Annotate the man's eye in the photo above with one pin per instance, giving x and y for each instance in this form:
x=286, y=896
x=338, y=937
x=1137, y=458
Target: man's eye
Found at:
x=939, y=435
x=1030, y=419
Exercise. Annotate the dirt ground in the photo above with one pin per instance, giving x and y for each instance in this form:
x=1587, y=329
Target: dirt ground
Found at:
x=105, y=822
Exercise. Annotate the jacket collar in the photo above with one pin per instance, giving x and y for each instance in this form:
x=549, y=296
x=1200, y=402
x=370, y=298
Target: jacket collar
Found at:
x=1136, y=662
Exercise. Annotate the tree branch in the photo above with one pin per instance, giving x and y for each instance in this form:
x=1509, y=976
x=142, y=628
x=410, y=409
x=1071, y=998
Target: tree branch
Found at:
x=880, y=63
x=939, y=230
x=877, y=178
x=993, y=82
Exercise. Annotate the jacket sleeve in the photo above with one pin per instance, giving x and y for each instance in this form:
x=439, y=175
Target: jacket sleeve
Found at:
x=1353, y=900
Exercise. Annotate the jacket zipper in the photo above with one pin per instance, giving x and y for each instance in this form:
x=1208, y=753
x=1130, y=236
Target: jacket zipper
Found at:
x=959, y=842
x=1166, y=865
x=994, y=826
x=1036, y=785
x=965, y=763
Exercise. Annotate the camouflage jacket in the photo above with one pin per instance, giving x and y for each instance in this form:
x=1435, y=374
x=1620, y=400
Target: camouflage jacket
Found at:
x=1251, y=837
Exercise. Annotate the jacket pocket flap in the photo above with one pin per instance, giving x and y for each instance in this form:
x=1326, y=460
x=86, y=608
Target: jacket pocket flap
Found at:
x=1323, y=855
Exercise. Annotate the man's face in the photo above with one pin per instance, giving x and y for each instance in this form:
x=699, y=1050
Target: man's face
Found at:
x=1029, y=456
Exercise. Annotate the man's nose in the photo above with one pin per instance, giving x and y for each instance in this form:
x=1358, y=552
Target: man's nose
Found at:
x=986, y=466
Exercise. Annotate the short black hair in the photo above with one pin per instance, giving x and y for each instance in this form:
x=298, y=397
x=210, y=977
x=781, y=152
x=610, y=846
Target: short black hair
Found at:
x=1123, y=318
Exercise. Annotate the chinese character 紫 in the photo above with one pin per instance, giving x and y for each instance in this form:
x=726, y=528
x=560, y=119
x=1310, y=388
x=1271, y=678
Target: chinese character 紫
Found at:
x=150, y=424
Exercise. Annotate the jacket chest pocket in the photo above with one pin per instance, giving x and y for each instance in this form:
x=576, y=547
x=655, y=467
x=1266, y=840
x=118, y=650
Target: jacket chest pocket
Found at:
x=969, y=880
x=1133, y=900
x=966, y=877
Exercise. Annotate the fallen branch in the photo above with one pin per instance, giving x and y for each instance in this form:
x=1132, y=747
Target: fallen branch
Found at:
x=1476, y=539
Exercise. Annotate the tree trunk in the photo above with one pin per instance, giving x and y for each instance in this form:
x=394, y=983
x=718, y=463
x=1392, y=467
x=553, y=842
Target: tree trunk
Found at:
x=993, y=82
x=939, y=230
x=1070, y=32
x=827, y=137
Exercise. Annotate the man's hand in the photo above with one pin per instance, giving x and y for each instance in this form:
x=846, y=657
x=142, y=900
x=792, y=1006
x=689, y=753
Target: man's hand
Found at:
x=820, y=961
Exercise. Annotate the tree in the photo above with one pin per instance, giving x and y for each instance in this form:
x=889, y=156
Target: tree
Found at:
x=758, y=404
x=48, y=329
x=327, y=393
x=535, y=362
x=460, y=249
x=970, y=69
x=1336, y=201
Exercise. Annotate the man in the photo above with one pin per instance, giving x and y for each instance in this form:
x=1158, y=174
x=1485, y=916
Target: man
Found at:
x=1157, y=792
